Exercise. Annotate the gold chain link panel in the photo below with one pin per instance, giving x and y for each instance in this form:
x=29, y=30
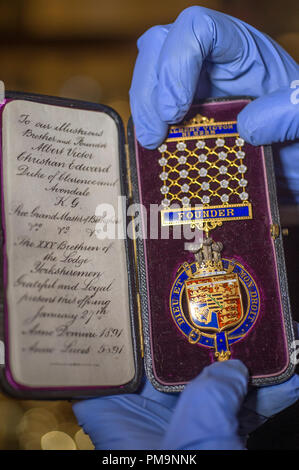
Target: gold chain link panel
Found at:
x=203, y=174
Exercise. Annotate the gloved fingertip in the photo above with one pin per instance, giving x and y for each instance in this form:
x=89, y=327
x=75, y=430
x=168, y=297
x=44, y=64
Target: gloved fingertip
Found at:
x=294, y=381
x=81, y=413
x=233, y=365
x=270, y=118
x=150, y=141
x=291, y=383
x=238, y=365
x=154, y=35
x=268, y=401
x=147, y=144
x=83, y=407
x=172, y=112
x=230, y=376
x=172, y=99
x=246, y=128
x=150, y=135
x=232, y=370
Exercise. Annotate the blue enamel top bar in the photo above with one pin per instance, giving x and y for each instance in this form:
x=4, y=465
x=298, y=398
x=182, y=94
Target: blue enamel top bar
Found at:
x=203, y=131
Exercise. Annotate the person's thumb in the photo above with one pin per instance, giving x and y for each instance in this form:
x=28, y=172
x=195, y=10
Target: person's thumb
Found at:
x=271, y=118
x=206, y=416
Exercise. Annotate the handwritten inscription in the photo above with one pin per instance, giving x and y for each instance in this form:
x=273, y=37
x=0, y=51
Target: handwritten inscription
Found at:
x=67, y=290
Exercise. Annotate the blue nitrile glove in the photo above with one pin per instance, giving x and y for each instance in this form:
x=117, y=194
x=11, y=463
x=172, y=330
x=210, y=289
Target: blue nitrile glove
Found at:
x=263, y=403
x=209, y=414
x=205, y=53
x=274, y=118
x=167, y=77
x=204, y=416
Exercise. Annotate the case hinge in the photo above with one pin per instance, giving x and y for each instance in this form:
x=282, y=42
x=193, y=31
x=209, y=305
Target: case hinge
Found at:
x=130, y=195
x=275, y=231
x=130, y=191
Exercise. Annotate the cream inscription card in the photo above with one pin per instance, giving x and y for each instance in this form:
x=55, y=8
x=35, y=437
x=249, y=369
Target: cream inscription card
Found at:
x=67, y=290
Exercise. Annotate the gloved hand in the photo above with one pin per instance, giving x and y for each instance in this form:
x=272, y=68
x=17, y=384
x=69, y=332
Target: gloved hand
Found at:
x=203, y=417
x=209, y=414
x=264, y=402
x=274, y=118
x=205, y=53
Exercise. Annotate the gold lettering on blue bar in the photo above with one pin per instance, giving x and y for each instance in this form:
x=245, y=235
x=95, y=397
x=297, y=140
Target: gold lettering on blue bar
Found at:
x=202, y=128
x=191, y=215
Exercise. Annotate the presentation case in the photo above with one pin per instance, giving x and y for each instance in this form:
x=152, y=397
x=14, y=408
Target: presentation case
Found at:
x=101, y=274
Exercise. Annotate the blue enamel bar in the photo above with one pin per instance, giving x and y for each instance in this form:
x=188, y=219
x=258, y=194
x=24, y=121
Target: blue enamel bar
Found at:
x=193, y=215
x=200, y=131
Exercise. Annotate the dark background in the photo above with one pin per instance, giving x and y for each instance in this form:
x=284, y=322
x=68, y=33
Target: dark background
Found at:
x=86, y=49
